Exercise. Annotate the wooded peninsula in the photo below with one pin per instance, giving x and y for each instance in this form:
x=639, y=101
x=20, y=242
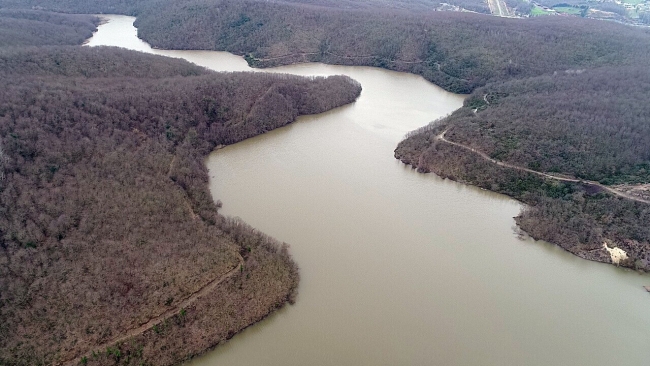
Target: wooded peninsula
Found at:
x=102, y=152
x=113, y=251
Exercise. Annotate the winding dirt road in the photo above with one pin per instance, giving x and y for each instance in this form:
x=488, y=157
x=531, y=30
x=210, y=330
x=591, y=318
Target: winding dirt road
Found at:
x=613, y=191
x=185, y=303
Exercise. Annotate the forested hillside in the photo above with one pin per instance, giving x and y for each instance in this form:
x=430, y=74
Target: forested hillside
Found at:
x=551, y=124
x=458, y=51
x=554, y=95
x=479, y=6
x=88, y=62
x=36, y=28
x=136, y=7
x=84, y=6
x=106, y=220
x=602, y=135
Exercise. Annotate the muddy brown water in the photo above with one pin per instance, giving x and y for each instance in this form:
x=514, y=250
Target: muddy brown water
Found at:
x=400, y=268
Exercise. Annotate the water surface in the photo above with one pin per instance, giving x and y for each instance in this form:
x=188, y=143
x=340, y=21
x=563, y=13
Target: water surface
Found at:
x=400, y=268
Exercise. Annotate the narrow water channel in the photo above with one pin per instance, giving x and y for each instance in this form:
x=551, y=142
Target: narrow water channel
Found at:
x=400, y=268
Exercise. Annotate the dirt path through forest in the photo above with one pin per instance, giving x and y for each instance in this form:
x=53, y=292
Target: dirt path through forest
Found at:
x=185, y=303
x=613, y=191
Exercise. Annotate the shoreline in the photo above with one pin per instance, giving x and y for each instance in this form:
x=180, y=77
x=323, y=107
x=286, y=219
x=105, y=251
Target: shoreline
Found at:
x=358, y=61
x=264, y=279
x=174, y=315
x=600, y=255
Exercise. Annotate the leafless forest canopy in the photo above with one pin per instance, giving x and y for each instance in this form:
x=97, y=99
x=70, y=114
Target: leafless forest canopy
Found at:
x=33, y=28
x=458, y=51
x=556, y=95
x=551, y=124
x=105, y=214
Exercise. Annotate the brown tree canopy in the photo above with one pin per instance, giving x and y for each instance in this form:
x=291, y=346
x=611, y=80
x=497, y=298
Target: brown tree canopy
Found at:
x=551, y=124
x=458, y=51
x=106, y=220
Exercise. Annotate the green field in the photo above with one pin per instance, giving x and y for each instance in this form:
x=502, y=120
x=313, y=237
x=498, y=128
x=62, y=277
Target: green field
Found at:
x=567, y=10
x=537, y=11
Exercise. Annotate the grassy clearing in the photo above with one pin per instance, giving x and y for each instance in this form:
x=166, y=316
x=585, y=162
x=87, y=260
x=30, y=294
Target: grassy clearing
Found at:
x=567, y=10
x=538, y=11
x=633, y=2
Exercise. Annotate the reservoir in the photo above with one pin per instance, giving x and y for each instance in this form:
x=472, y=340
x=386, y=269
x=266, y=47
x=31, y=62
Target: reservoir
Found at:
x=401, y=268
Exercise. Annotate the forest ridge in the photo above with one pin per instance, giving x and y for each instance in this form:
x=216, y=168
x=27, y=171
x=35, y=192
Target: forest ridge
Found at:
x=457, y=51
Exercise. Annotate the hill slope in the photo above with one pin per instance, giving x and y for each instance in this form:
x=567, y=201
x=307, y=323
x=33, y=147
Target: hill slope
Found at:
x=457, y=51
x=550, y=125
x=106, y=220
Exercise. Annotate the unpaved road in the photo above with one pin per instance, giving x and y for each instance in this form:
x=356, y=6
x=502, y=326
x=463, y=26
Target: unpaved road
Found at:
x=613, y=191
x=165, y=315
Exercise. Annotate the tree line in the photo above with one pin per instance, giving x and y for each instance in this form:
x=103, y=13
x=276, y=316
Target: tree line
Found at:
x=458, y=51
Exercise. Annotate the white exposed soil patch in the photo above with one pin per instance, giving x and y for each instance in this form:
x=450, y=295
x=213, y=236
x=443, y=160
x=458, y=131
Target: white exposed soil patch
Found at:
x=617, y=254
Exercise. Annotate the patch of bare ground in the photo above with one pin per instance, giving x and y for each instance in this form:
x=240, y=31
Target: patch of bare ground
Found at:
x=640, y=191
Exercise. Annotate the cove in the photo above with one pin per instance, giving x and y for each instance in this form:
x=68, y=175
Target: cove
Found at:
x=400, y=268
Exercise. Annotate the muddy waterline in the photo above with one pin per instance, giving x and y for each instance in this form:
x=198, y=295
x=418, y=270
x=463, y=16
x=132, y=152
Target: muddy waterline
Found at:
x=400, y=268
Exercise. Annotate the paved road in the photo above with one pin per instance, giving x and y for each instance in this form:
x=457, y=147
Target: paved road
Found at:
x=499, y=8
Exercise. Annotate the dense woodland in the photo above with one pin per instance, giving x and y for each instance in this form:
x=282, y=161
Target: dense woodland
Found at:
x=601, y=135
x=35, y=28
x=458, y=51
x=136, y=7
x=101, y=151
x=550, y=124
x=106, y=220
